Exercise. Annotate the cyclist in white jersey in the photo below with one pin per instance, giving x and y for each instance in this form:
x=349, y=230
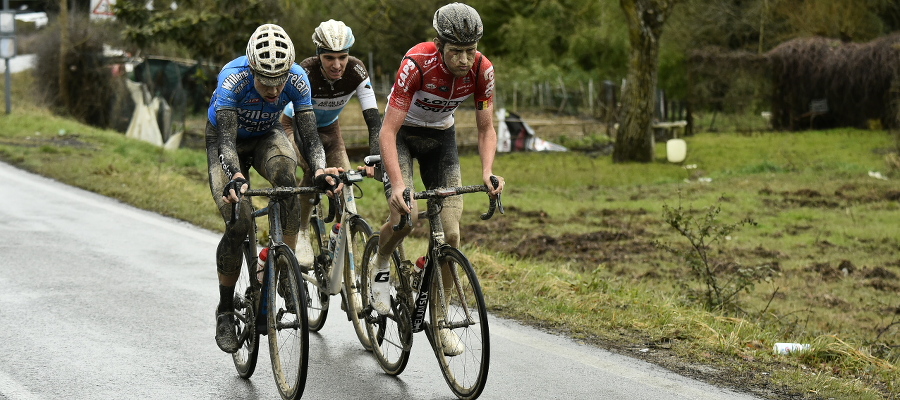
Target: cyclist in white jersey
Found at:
x=334, y=76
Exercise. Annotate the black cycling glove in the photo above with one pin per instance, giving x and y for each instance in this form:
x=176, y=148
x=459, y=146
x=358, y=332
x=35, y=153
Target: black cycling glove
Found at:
x=323, y=184
x=235, y=184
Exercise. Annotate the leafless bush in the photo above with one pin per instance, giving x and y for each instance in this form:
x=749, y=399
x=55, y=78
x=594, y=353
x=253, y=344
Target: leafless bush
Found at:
x=91, y=92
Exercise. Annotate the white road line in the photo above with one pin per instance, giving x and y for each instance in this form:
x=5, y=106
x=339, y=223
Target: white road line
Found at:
x=10, y=389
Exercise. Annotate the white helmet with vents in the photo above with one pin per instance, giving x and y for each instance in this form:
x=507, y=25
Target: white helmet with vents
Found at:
x=270, y=53
x=333, y=37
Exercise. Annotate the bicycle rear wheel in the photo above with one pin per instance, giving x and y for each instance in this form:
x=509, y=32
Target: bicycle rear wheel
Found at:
x=287, y=327
x=389, y=335
x=360, y=231
x=459, y=325
x=317, y=308
x=245, y=300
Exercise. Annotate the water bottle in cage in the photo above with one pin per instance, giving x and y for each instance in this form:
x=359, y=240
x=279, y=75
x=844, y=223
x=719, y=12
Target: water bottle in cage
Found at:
x=416, y=273
x=334, y=234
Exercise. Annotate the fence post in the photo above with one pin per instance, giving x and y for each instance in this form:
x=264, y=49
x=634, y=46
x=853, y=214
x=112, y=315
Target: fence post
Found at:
x=591, y=97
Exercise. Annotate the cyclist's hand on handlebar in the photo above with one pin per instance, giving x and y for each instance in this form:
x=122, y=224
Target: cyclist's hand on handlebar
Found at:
x=328, y=180
x=495, y=189
x=397, y=200
x=235, y=188
x=367, y=170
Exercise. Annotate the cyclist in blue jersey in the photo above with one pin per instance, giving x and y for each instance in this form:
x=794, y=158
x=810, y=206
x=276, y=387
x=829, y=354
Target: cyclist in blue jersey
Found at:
x=244, y=130
x=335, y=76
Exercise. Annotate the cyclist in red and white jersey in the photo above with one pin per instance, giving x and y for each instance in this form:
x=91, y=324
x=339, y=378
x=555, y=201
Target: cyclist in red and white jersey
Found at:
x=434, y=78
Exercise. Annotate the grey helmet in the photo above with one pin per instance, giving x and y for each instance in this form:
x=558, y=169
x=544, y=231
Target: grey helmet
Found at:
x=458, y=23
x=333, y=37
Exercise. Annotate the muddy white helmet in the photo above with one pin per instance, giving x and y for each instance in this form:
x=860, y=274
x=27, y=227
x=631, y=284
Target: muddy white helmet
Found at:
x=333, y=37
x=458, y=23
x=270, y=53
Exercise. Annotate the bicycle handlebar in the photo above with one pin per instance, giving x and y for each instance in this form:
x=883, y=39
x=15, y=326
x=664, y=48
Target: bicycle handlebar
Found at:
x=494, y=204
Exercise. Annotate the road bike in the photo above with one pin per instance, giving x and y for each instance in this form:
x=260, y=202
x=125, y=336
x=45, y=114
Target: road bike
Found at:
x=447, y=290
x=336, y=259
x=270, y=301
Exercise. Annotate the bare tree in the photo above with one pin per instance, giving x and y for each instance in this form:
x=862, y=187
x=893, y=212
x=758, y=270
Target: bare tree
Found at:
x=645, y=22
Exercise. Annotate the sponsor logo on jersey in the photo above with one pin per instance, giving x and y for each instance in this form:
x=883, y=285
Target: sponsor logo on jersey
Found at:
x=253, y=100
x=489, y=80
x=331, y=103
x=430, y=86
x=298, y=82
x=236, y=82
x=437, y=104
x=444, y=89
x=360, y=70
x=430, y=61
x=256, y=115
x=404, y=73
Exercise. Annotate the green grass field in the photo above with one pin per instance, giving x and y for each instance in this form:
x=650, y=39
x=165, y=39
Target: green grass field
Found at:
x=577, y=250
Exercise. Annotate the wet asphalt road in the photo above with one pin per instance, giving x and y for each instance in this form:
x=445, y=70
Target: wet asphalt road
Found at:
x=99, y=300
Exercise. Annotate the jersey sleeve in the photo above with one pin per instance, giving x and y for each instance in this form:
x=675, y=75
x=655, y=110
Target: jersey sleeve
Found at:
x=484, y=91
x=300, y=91
x=408, y=82
x=366, y=95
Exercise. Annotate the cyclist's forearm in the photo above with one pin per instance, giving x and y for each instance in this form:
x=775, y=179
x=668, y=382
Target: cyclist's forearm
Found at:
x=393, y=120
x=226, y=123
x=308, y=140
x=487, y=140
x=373, y=122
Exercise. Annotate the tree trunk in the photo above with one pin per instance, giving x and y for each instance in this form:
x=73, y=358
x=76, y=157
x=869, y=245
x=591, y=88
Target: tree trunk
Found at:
x=634, y=138
x=64, y=97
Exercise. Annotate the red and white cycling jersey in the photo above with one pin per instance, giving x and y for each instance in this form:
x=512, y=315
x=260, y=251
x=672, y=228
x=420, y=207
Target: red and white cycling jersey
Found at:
x=429, y=93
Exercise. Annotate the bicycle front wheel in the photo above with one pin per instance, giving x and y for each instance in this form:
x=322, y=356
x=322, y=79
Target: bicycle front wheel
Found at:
x=246, y=296
x=287, y=324
x=317, y=308
x=390, y=335
x=459, y=325
x=360, y=231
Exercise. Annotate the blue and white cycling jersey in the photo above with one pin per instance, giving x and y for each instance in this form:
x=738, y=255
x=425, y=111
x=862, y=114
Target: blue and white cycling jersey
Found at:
x=235, y=91
x=330, y=97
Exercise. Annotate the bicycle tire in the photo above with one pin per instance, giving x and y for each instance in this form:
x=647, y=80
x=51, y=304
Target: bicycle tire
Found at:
x=389, y=335
x=288, y=327
x=245, y=302
x=360, y=231
x=461, y=309
x=319, y=300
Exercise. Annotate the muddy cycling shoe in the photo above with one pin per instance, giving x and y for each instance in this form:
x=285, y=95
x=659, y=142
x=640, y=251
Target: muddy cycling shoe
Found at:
x=452, y=345
x=226, y=338
x=381, y=286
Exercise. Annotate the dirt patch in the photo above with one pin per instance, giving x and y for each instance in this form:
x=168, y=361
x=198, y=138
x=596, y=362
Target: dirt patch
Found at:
x=621, y=242
x=67, y=140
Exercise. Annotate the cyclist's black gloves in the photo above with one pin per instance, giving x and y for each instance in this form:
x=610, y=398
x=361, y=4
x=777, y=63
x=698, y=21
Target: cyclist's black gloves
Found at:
x=322, y=183
x=235, y=184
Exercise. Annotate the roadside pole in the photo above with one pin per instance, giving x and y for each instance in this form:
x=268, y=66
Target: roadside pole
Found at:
x=8, y=46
